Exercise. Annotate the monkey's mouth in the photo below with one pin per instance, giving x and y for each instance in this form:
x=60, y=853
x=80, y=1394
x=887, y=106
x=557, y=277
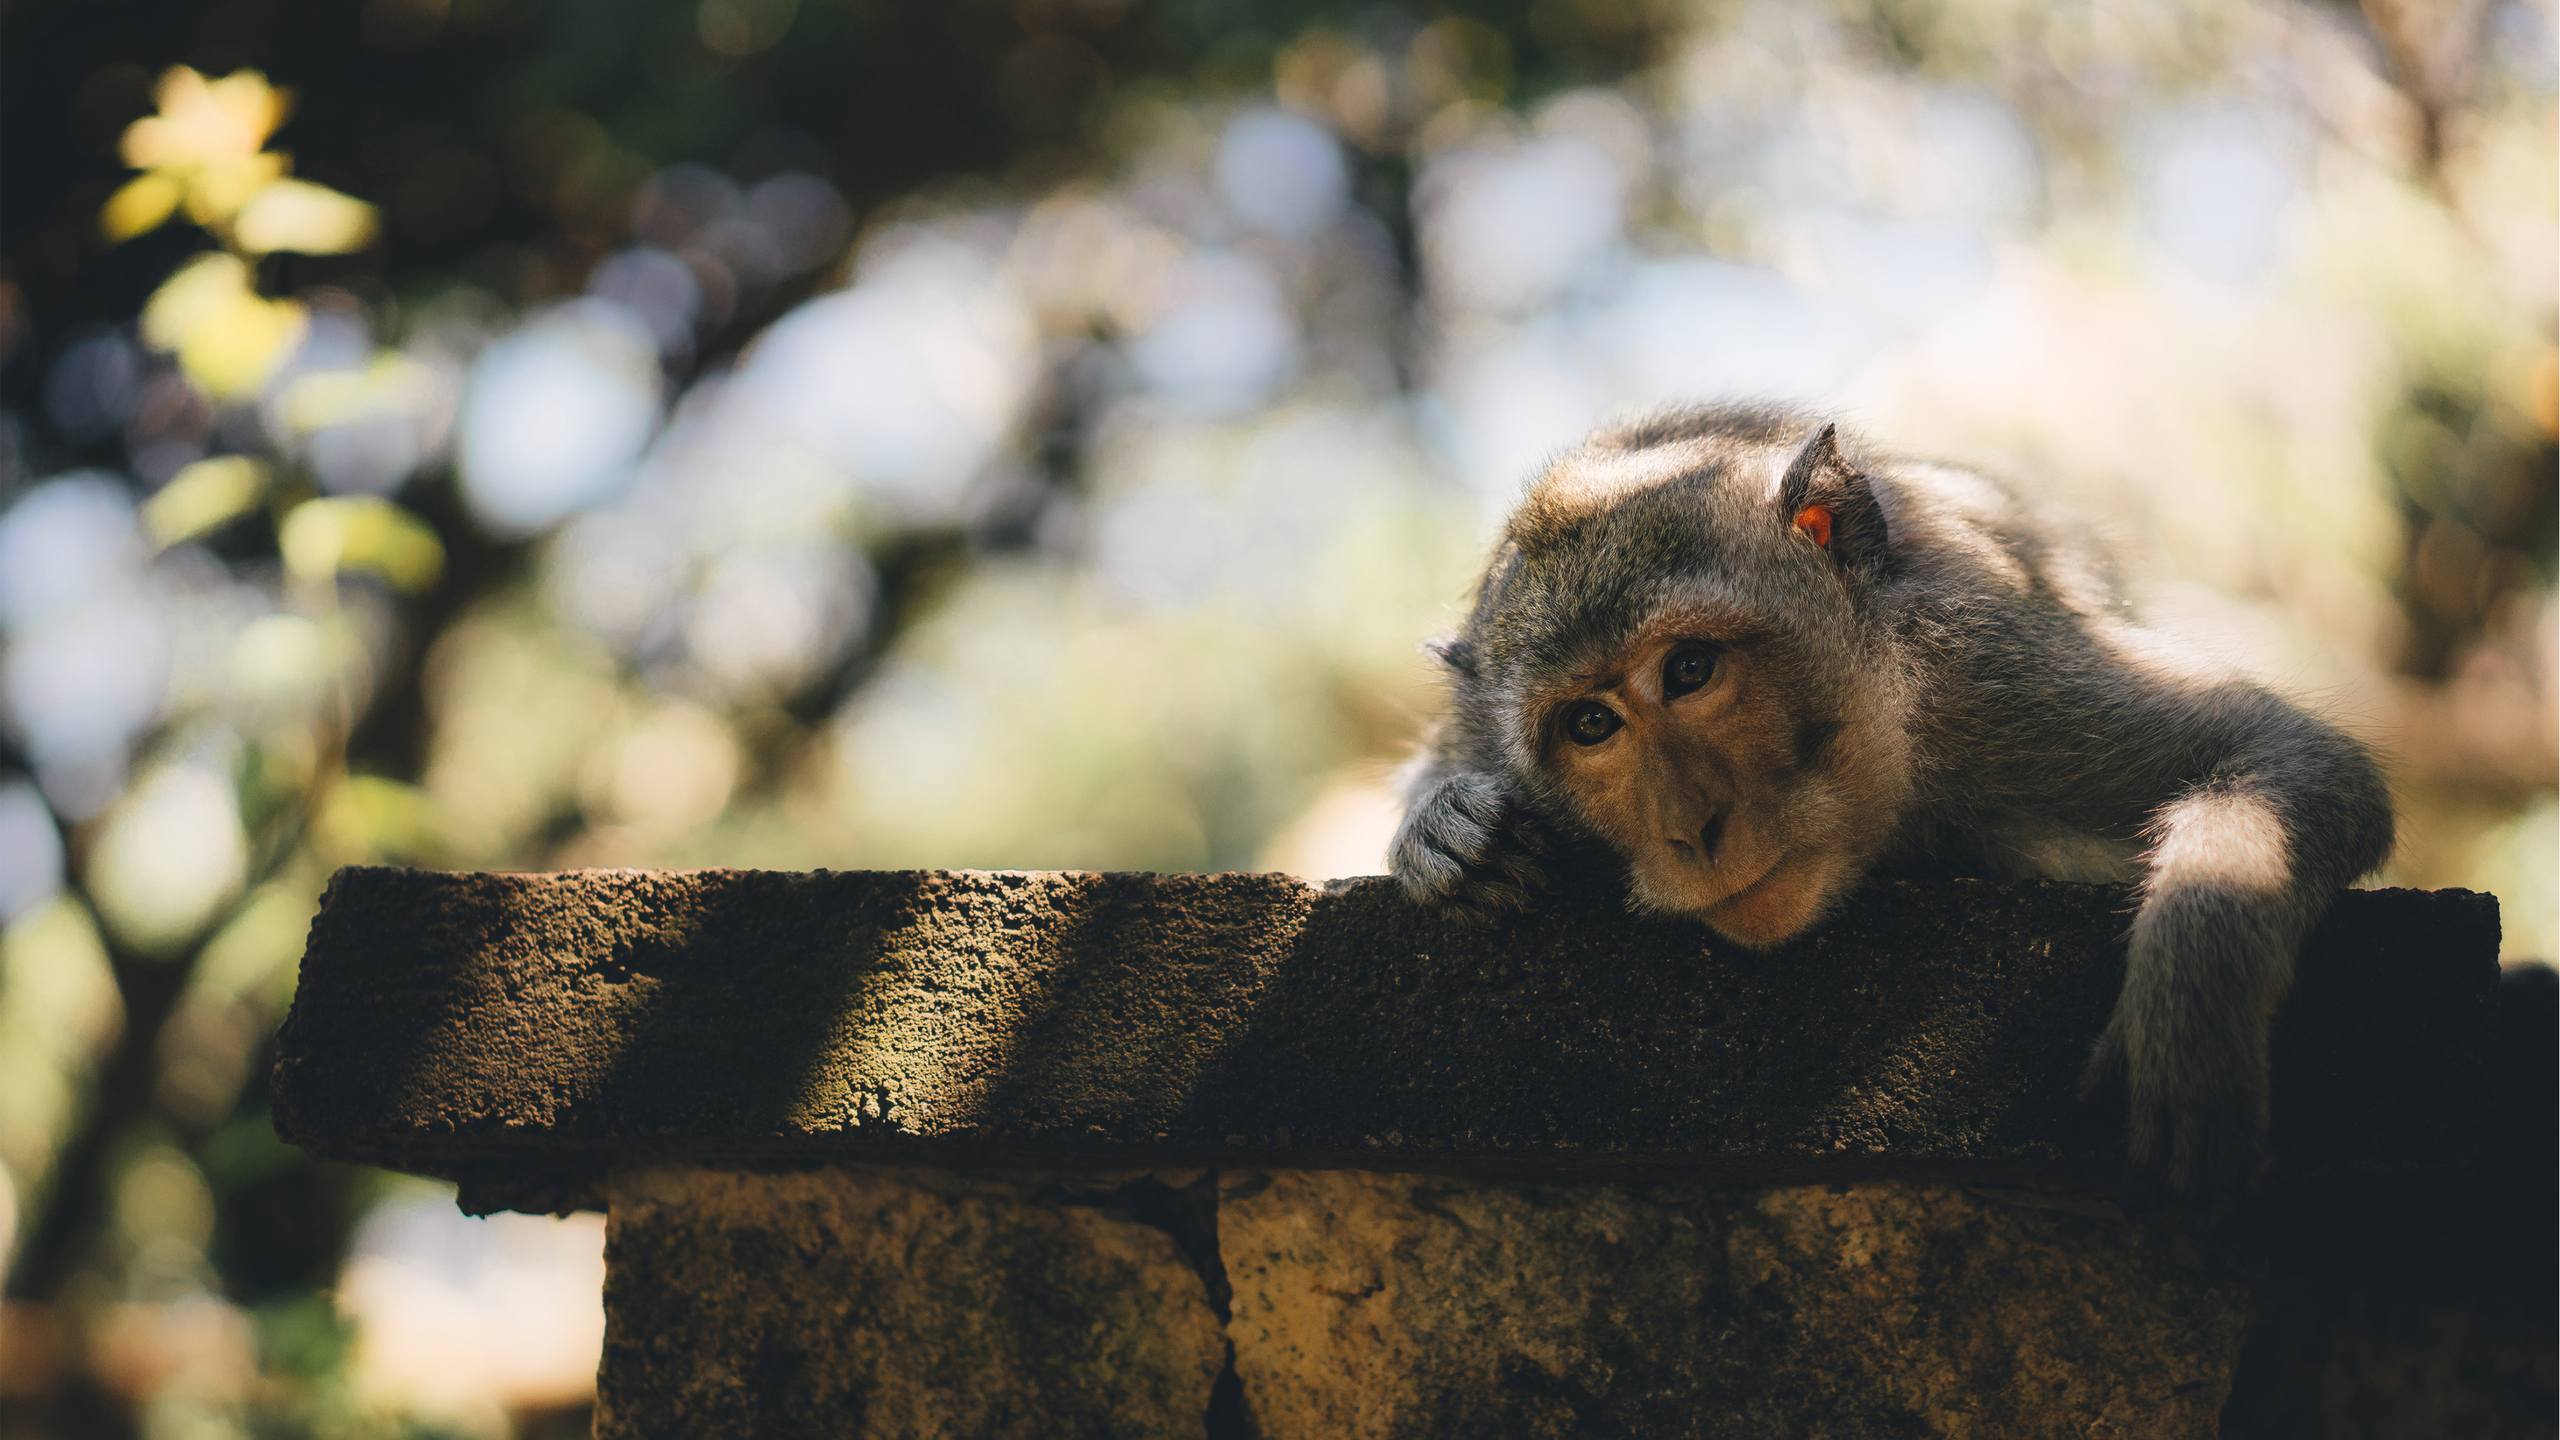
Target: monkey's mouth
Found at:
x=1744, y=892
x=1681, y=896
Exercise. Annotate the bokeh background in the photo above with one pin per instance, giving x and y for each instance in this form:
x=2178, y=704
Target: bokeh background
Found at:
x=536, y=433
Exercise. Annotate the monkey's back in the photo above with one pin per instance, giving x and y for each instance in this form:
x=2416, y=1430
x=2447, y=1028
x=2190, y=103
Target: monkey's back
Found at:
x=2006, y=613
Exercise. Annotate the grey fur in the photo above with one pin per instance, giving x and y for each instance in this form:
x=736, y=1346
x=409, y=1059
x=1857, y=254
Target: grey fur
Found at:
x=1981, y=664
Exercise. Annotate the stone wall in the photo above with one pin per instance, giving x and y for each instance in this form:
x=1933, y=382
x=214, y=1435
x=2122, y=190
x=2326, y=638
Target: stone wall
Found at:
x=1344, y=1304
x=968, y=1154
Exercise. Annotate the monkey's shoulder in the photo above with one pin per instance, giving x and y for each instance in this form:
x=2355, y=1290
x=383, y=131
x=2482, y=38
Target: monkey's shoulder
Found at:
x=1972, y=537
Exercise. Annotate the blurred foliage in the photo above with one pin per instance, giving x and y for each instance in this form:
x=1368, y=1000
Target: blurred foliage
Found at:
x=205, y=150
x=825, y=432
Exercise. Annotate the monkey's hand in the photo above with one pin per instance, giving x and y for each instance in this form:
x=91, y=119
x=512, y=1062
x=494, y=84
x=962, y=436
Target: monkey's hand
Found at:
x=2194, y=1086
x=2208, y=959
x=1469, y=847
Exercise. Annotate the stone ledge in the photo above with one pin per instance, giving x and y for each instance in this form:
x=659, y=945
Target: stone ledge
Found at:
x=534, y=1032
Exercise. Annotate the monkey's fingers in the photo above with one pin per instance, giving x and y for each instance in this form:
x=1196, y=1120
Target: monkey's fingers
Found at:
x=1481, y=799
x=2217, y=1150
x=1522, y=870
x=2103, y=1076
x=1487, y=902
x=2149, y=1185
x=2197, y=1149
x=1487, y=889
x=1530, y=835
x=1435, y=846
x=1427, y=873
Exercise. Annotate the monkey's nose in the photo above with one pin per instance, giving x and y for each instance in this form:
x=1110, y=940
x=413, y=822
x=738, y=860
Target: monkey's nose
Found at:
x=1702, y=846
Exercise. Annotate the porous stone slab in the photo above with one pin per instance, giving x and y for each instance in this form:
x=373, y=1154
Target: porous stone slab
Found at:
x=877, y=1303
x=529, y=1033
x=1411, y=1306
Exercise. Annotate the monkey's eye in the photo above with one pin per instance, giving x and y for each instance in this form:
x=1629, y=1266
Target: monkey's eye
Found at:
x=1689, y=667
x=1590, y=722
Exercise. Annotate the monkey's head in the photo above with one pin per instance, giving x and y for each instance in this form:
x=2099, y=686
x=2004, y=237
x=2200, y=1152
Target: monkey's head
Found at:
x=1677, y=648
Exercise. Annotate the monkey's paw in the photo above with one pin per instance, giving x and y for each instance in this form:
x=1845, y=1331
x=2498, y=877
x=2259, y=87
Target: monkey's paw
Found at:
x=1468, y=847
x=2196, y=1107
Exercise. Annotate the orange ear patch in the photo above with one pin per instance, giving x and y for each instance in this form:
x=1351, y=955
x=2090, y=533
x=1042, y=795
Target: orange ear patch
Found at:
x=1815, y=521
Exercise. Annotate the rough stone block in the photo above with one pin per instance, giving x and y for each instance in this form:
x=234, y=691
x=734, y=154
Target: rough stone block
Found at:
x=1383, y=1305
x=497, y=1027
x=874, y=1302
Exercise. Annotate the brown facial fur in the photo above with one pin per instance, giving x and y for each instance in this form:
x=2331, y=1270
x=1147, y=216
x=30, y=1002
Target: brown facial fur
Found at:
x=1712, y=796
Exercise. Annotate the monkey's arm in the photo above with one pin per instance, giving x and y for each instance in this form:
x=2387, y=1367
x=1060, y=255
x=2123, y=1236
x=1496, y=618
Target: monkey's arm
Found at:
x=2254, y=814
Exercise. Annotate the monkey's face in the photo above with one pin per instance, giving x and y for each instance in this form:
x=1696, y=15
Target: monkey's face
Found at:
x=1674, y=641
x=1735, y=792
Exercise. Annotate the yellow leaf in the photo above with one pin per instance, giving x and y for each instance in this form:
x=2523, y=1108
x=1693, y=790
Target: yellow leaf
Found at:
x=193, y=292
x=202, y=496
x=257, y=106
x=215, y=192
x=300, y=216
x=227, y=337
x=391, y=384
x=209, y=139
x=232, y=361
x=324, y=538
x=202, y=121
x=139, y=206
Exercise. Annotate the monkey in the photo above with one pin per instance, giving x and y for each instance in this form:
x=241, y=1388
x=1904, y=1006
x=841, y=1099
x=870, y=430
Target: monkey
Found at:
x=1754, y=659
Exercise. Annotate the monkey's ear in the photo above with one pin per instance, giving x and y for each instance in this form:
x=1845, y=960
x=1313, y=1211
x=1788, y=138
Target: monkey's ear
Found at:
x=1457, y=654
x=1828, y=501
